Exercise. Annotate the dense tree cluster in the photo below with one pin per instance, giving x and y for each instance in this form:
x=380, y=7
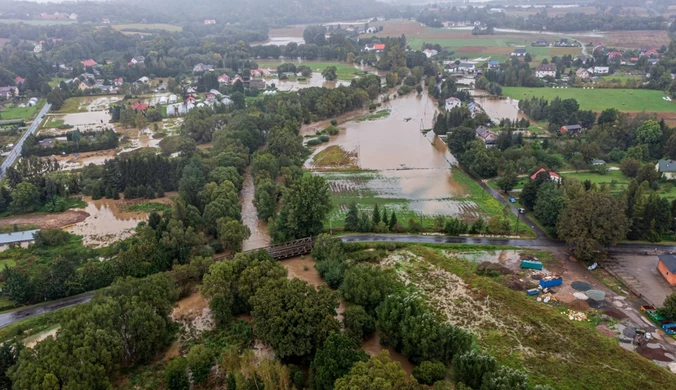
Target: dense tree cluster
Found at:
x=77, y=142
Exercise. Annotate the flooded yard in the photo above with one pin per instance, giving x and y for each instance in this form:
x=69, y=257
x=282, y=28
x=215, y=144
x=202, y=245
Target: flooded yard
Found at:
x=398, y=166
x=108, y=222
x=315, y=81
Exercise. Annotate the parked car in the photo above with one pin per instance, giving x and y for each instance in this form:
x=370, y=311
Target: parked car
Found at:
x=512, y=200
x=670, y=328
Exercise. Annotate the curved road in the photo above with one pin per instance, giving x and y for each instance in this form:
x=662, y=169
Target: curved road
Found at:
x=16, y=152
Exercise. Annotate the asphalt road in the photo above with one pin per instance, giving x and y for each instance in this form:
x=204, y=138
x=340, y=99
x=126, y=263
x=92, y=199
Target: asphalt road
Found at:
x=16, y=152
x=11, y=317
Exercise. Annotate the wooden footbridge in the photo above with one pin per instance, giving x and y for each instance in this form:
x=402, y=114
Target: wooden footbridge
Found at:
x=282, y=251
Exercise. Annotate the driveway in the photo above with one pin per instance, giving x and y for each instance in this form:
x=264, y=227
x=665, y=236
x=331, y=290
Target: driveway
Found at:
x=640, y=273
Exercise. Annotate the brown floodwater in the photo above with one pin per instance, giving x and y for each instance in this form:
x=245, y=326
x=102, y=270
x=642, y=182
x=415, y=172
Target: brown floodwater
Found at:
x=315, y=81
x=107, y=222
x=396, y=141
x=259, y=229
x=372, y=346
x=498, y=109
x=400, y=162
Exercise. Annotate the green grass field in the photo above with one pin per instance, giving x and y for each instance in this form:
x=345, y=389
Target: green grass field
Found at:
x=74, y=104
x=151, y=26
x=20, y=112
x=600, y=99
x=344, y=70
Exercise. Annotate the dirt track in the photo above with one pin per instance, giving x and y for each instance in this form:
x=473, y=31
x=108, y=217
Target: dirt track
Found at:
x=47, y=221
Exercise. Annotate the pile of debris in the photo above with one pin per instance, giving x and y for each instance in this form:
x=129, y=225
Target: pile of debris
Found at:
x=575, y=315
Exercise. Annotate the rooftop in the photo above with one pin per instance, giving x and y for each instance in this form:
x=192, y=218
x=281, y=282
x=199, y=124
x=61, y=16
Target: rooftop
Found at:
x=24, y=236
x=667, y=166
x=669, y=261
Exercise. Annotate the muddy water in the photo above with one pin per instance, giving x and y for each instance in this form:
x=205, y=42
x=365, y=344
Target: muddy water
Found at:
x=408, y=164
x=498, y=109
x=87, y=120
x=372, y=346
x=396, y=142
x=259, y=229
x=280, y=41
x=106, y=222
x=508, y=258
x=69, y=162
x=315, y=81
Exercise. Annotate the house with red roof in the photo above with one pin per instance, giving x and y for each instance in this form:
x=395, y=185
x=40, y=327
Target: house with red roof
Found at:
x=652, y=53
x=223, y=79
x=139, y=106
x=88, y=63
x=552, y=175
x=190, y=99
x=614, y=55
x=19, y=80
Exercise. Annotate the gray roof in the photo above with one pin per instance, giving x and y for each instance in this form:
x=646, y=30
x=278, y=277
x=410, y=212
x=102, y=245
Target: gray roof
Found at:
x=24, y=236
x=519, y=50
x=598, y=162
x=667, y=166
x=573, y=127
x=669, y=261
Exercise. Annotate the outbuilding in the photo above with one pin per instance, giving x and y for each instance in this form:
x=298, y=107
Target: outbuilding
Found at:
x=666, y=264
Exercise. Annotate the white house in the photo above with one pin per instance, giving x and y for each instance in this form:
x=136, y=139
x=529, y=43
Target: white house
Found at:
x=600, y=70
x=144, y=80
x=545, y=70
x=452, y=102
x=32, y=101
x=163, y=100
x=173, y=99
x=37, y=48
x=582, y=74
x=171, y=110
x=430, y=53
x=666, y=168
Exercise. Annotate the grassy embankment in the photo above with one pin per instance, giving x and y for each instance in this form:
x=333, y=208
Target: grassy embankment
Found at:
x=344, y=70
x=523, y=333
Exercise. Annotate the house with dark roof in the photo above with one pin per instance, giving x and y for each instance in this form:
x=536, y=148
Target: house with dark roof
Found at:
x=486, y=135
x=493, y=64
x=667, y=169
x=666, y=265
x=520, y=52
x=545, y=70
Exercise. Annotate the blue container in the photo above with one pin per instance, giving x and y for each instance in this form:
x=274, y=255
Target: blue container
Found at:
x=533, y=291
x=551, y=282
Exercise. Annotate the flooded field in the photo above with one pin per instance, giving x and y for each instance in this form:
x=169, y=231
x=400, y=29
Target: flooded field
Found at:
x=399, y=167
x=107, y=222
x=315, y=81
x=510, y=259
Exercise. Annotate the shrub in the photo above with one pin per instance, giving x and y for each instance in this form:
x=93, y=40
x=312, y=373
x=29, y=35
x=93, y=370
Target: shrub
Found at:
x=334, y=122
x=313, y=142
x=429, y=372
x=51, y=237
x=324, y=138
x=332, y=130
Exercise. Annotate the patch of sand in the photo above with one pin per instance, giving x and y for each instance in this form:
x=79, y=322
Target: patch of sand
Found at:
x=193, y=312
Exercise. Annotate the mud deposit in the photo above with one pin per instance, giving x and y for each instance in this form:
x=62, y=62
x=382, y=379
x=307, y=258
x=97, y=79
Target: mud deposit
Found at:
x=47, y=221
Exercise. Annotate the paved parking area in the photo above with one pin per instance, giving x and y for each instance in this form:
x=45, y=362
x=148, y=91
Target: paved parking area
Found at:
x=640, y=273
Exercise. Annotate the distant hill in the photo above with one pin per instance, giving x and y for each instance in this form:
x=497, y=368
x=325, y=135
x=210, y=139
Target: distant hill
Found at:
x=274, y=12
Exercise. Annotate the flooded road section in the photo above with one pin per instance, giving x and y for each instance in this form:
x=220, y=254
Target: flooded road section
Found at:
x=259, y=229
x=498, y=109
x=303, y=268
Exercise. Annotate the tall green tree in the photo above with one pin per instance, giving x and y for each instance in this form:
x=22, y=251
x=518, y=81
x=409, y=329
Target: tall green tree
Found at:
x=352, y=218
x=592, y=221
x=379, y=372
x=330, y=73
x=305, y=207
x=334, y=359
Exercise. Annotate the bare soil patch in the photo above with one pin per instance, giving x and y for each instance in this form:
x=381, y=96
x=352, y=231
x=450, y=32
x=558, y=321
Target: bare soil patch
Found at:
x=396, y=27
x=47, y=221
x=636, y=39
x=193, y=313
x=471, y=49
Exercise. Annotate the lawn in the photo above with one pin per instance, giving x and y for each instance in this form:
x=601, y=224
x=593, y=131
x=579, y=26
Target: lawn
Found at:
x=616, y=180
x=74, y=104
x=334, y=156
x=600, y=99
x=150, y=26
x=20, y=112
x=344, y=70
